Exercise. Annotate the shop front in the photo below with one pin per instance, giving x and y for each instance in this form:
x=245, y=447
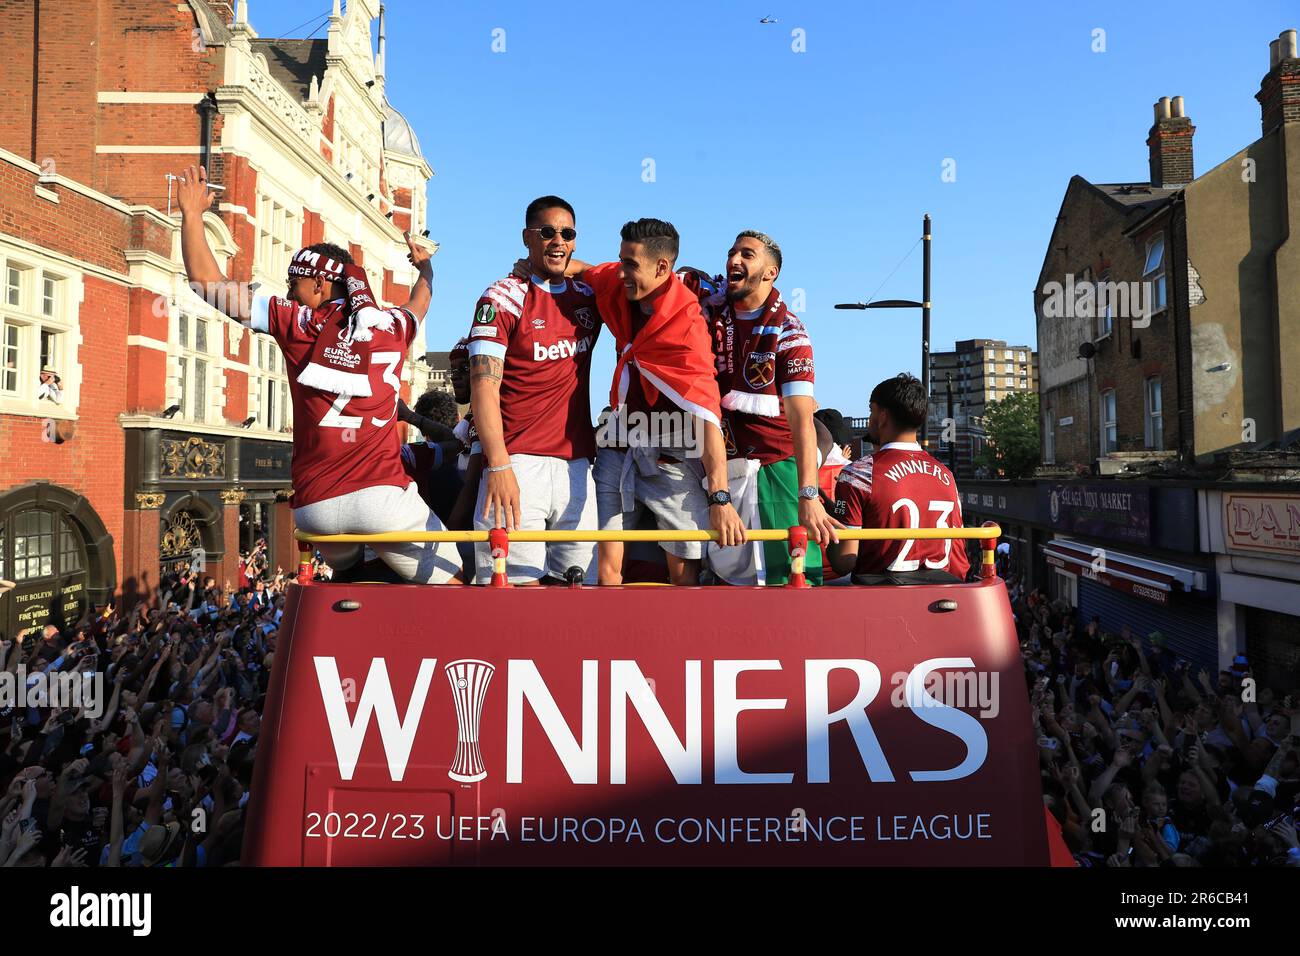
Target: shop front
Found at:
x=1254, y=535
x=196, y=501
x=1013, y=505
x=55, y=548
x=1125, y=552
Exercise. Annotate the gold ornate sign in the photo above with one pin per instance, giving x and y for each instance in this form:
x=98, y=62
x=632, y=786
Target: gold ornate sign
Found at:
x=149, y=500
x=192, y=458
x=234, y=496
x=179, y=537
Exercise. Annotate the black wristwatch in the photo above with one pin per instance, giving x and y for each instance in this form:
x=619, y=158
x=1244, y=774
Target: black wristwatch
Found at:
x=720, y=498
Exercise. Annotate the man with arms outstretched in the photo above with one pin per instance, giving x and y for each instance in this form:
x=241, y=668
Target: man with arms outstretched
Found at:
x=344, y=357
x=664, y=376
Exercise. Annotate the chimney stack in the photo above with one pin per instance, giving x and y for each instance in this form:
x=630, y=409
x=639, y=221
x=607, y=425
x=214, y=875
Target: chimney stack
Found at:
x=1170, y=142
x=1279, y=92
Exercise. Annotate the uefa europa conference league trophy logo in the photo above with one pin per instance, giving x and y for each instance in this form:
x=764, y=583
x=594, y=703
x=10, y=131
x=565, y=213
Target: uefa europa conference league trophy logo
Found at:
x=469, y=681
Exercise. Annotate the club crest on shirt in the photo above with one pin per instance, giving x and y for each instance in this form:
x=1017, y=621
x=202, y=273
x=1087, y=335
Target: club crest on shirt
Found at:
x=584, y=317
x=728, y=438
x=485, y=314
x=760, y=369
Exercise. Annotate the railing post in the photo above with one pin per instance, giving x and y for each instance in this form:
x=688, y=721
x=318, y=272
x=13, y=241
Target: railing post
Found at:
x=304, y=562
x=988, y=549
x=798, y=544
x=499, y=542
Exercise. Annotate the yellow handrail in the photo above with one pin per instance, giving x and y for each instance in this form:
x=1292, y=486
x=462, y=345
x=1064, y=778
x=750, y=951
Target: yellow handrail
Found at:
x=773, y=534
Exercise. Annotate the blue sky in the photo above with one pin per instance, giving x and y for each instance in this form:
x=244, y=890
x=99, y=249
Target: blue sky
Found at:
x=836, y=151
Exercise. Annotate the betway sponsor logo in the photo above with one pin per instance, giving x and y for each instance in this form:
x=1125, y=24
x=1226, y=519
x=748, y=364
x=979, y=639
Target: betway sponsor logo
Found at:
x=566, y=348
x=630, y=690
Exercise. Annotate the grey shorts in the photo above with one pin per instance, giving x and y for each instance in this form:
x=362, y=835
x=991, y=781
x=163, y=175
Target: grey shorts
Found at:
x=555, y=494
x=382, y=508
x=629, y=483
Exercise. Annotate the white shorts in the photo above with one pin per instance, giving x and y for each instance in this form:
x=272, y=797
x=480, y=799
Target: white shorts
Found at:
x=555, y=494
x=673, y=491
x=382, y=508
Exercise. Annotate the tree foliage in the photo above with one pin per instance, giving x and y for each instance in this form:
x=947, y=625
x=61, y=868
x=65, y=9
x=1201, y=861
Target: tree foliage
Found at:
x=1012, y=427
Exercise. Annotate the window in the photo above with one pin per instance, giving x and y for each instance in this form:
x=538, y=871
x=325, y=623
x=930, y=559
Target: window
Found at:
x=14, y=287
x=50, y=296
x=1006, y=353
x=9, y=354
x=1109, y=430
x=1153, y=275
x=1009, y=382
x=1020, y=357
x=268, y=399
x=1155, y=428
x=69, y=550
x=279, y=235
x=1049, y=437
x=34, y=335
x=33, y=545
x=44, y=545
x=192, y=366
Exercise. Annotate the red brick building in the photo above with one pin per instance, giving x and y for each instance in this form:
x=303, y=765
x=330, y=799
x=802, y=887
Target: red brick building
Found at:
x=141, y=427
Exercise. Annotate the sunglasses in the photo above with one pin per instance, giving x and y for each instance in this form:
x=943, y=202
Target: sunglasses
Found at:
x=550, y=232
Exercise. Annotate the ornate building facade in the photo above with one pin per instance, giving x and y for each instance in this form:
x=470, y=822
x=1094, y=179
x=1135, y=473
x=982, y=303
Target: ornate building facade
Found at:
x=143, y=429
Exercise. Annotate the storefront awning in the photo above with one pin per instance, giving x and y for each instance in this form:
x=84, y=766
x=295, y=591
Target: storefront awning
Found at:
x=1150, y=580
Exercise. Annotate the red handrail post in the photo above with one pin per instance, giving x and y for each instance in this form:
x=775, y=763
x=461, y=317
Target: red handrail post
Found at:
x=798, y=544
x=499, y=542
x=988, y=548
x=304, y=562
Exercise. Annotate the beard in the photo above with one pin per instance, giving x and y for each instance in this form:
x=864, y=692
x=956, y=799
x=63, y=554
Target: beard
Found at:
x=737, y=292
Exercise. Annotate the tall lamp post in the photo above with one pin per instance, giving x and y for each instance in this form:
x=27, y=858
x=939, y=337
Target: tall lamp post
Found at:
x=952, y=443
x=923, y=305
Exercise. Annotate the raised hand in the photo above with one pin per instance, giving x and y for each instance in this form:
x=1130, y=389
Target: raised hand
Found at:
x=418, y=256
x=192, y=192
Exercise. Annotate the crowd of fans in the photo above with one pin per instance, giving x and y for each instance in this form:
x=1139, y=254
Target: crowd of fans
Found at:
x=1145, y=763
x=157, y=771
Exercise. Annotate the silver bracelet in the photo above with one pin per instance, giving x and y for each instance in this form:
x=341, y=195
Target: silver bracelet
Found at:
x=496, y=468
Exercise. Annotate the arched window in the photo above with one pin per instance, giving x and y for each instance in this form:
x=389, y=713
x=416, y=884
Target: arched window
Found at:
x=55, y=548
x=44, y=545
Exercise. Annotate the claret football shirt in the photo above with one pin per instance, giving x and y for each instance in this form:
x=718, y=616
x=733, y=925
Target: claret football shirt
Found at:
x=340, y=444
x=543, y=332
x=901, y=486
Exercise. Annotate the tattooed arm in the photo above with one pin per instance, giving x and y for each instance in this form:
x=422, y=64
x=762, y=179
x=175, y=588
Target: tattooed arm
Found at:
x=501, y=505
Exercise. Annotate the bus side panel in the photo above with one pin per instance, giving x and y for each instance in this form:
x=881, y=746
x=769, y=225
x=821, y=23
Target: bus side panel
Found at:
x=688, y=726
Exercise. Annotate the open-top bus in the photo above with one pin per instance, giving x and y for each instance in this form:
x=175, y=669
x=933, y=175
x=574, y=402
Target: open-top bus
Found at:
x=634, y=725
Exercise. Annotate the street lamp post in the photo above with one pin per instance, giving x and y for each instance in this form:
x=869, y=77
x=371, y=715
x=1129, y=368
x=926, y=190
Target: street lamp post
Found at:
x=923, y=305
x=952, y=421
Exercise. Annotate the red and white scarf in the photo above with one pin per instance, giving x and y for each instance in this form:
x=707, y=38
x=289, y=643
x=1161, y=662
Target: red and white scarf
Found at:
x=747, y=369
x=340, y=357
